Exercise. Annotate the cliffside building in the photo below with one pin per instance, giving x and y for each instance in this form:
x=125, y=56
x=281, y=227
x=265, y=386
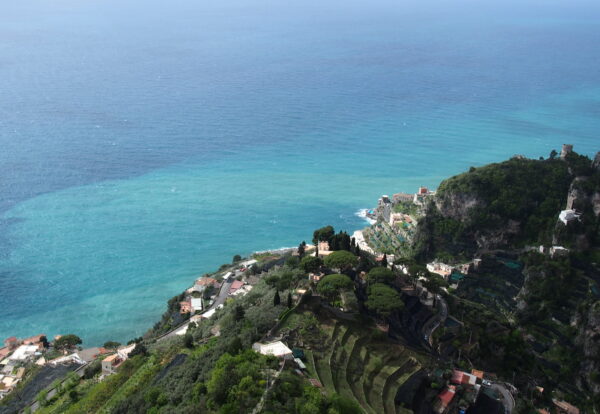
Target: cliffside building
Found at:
x=567, y=216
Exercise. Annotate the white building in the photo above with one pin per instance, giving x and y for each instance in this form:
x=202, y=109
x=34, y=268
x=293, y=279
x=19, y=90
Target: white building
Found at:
x=196, y=304
x=277, y=348
x=568, y=215
x=23, y=352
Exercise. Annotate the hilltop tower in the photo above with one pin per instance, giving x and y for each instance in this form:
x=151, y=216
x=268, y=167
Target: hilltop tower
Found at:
x=566, y=149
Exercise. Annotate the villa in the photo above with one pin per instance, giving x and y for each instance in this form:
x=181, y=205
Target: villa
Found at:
x=110, y=364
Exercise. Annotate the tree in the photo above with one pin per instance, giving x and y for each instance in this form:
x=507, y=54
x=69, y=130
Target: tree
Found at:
x=553, y=154
x=140, y=349
x=239, y=313
x=289, y=300
x=434, y=282
x=311, y=264
x=384, y=261
x=276, y=298
x=301, y=249
x=331, y=285
x=381, y=275
x=292, y=261
x=384, y=300
x=188, y=340
x=323, y=234
x=111, y=345
x=67, y=341
x=236, y=258
x=341, y=259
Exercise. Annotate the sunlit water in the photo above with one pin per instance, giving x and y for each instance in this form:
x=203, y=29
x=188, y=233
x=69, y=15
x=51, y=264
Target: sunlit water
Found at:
x=145, y=143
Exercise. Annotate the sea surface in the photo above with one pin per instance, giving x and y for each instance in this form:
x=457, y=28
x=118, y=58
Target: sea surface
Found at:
x=144, y=143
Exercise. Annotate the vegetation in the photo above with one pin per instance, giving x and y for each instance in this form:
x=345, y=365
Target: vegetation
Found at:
x=331, y=286
x=384, y=300
x=381, y=275
x=311, y=264
x=67, y=341
x=341, y=259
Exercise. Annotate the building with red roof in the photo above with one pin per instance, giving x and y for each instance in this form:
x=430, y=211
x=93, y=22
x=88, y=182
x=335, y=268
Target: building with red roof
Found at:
x=11, y=342
x=235, y=286
x=460, y=377
x=444, y=399
x=185, y=307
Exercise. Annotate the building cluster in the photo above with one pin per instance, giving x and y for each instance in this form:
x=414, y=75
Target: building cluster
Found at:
x=452, y=274
x=15, y=356
x=474, y=389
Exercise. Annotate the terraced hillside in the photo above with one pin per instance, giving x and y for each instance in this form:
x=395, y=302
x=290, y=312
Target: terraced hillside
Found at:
x=353, y=359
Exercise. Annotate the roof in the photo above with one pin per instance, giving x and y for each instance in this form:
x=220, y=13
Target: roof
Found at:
x=477, y=373
x=565, y=406
x=4, y=352
x=33, y=339
x=276, y=348
x=235, y=285
x=446, y=396
x=111, y=358
x=11, y=339
x=459, y=377
x=23, y=352
x=206, y=281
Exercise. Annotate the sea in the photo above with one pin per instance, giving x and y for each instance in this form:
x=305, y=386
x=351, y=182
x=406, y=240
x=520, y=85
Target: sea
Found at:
x=145, y=143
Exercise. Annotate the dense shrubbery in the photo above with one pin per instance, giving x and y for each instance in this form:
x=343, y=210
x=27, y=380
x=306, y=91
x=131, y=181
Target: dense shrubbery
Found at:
x=292, y=395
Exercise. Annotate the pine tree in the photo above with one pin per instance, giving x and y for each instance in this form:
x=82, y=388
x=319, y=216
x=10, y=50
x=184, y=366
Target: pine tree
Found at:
x=289, y=300
x=276, y=298
x=384, y=262
x=301, y=250
x=239, y=313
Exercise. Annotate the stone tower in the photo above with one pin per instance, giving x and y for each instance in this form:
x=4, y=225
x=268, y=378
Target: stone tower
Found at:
x=566, y=149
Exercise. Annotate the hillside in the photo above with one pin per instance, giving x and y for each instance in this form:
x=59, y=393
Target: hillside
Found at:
x=519, y=312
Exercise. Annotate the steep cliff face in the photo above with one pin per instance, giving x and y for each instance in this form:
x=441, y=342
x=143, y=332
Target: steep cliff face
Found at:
x=497, y=206
x=457, y=205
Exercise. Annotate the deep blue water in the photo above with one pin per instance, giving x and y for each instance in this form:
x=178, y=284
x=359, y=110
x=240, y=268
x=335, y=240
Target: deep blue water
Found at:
x=144, y=143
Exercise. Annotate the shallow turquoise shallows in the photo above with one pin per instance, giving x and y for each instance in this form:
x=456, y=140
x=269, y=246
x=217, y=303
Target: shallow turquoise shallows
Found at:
x=144, y=143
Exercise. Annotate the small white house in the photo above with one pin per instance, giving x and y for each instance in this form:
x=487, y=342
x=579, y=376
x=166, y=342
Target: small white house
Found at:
x=196, y=304
x=277, y=348
x=23, y=352
x=568, y=215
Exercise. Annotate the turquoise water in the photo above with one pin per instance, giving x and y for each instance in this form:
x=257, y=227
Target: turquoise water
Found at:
x=145, y=144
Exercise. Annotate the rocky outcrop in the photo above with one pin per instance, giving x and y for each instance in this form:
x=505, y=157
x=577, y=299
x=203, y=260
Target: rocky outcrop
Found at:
x=457, y=206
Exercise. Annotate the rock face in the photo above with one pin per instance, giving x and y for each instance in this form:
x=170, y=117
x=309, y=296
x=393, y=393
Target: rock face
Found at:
x=589, y=340
x=457, y=206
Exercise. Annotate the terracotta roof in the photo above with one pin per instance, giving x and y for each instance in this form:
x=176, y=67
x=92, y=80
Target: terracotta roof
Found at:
x=446, y=396
x=111, y=358
x=11, y=339
x=33, y=340
x=206, y=281
x=477, y=373
x=236, y=285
